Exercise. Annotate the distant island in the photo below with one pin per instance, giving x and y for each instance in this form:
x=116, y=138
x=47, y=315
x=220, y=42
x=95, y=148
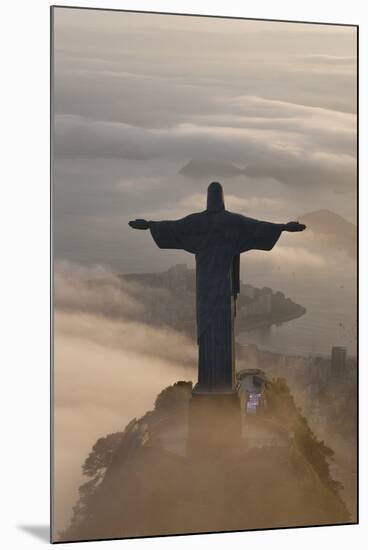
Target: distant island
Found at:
x=257, y=308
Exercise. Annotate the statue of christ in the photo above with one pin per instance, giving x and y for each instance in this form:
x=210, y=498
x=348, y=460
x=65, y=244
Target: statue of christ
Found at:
x=216, y=237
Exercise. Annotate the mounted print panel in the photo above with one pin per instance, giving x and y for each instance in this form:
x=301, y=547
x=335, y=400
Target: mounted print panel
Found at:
x=204, y=175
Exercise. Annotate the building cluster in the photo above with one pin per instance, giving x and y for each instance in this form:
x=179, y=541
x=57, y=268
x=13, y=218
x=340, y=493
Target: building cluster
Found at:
x=171, y=311
x=254, y=301
x=171, y=301
x=316, y=372
x=331, y=384
x=323, y=372
x=325, y=386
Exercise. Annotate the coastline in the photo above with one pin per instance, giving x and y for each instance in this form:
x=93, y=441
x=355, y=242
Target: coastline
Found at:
x=265, y=322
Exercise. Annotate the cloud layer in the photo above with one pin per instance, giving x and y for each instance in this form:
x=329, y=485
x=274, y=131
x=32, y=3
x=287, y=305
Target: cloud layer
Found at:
x=108, y=368
x=139, y=96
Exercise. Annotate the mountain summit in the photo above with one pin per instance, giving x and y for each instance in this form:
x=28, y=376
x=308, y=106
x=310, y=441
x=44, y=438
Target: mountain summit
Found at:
x=145, y=482
x=214, y=169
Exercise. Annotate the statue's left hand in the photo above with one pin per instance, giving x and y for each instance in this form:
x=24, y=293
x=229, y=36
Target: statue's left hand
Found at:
x=294, y=227
x=139, y=224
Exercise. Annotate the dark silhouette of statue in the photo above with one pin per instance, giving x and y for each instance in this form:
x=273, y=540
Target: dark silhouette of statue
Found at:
x=217, y=237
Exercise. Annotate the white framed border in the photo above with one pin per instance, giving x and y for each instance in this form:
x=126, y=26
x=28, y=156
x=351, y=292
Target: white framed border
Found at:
x=25, y=224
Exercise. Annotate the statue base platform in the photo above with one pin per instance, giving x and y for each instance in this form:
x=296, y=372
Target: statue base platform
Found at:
x=215, y=390
x=214, y=421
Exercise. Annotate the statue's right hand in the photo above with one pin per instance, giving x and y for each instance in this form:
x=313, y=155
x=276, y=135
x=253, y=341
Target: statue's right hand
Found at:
x=139, y=224
x=293, y=227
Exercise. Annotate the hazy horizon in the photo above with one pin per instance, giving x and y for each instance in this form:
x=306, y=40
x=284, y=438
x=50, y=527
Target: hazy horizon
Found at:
x=138, y=96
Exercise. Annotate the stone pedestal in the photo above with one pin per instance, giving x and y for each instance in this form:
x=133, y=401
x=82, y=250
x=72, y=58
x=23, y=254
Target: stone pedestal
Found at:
x=214, y=422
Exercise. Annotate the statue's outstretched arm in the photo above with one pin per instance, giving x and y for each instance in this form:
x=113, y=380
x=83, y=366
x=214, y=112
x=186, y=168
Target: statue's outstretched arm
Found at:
x=293, y=227
x=139, y=224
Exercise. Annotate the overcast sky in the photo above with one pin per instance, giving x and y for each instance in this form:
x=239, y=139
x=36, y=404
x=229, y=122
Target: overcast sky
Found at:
x=138, y=96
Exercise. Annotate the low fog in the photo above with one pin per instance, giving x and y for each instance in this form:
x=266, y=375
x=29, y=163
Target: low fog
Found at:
x=108, y=368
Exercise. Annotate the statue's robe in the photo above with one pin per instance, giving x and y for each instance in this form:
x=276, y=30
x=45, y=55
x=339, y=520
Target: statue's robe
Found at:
x=217, y=239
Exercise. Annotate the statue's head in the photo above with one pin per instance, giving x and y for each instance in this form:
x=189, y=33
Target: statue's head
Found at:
x=215, y=197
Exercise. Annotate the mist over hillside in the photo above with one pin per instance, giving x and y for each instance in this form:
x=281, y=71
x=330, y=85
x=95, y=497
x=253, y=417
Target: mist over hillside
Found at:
x=142, y=482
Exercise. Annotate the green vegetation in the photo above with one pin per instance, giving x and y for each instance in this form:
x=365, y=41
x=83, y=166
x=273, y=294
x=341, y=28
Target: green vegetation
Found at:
x=282, y=407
